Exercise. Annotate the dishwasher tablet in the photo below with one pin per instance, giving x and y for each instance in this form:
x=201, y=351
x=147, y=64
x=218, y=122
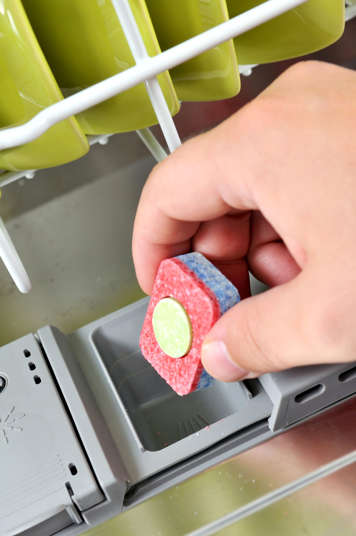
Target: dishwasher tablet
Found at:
x=189, y=295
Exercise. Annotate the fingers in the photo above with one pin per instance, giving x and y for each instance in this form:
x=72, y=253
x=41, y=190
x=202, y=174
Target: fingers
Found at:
x=269, y=259
x=272, y=264
x=283, y=154
x=155, y=240
x=225, y=242
x=189, y=187
x=289, y=154
x=224, y=239
x=263, y=333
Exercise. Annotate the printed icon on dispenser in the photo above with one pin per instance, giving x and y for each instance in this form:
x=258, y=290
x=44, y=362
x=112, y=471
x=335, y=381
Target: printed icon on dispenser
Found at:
x=84, y=43
x=3, y=383
x=189, y=296
x=27, y=86
x=302, y=30
x=209, y=76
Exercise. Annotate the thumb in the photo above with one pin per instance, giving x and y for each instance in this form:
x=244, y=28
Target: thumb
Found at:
x=264, y=333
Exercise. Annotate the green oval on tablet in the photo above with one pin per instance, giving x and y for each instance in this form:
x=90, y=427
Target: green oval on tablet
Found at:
x=172, y=327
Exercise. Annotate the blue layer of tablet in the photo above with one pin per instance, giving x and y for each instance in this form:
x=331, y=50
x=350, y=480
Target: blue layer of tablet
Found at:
x=204, y=381
x=225, y=292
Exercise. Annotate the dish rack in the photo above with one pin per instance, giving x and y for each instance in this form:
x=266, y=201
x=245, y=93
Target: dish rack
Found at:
x=102, y=437
x=146, y=70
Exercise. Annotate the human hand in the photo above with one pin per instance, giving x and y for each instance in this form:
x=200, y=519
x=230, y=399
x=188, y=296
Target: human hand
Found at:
x=272, y=189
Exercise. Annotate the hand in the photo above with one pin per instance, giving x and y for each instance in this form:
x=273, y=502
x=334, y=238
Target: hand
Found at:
x=272, y=189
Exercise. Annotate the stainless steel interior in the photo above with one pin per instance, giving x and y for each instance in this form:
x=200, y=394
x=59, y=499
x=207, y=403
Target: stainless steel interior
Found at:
x=72, y=226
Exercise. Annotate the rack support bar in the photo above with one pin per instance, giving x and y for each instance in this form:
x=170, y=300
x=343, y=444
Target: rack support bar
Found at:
x=147, y=69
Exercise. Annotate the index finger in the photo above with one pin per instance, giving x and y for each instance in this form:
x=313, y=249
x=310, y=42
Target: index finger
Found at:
x=197, y=183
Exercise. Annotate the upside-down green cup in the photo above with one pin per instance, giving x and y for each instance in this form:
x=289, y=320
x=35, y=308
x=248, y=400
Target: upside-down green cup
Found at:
x=27, y=86
x=212, y=75
x=302, y=30
x=84, y=43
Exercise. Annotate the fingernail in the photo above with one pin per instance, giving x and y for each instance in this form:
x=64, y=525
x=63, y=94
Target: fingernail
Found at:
x=218, y=362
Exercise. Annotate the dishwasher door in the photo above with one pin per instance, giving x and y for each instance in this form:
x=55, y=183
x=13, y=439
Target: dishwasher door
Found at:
x=72, y=226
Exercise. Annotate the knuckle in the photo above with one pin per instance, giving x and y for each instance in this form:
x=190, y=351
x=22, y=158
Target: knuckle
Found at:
x=156, y=173
x=304, y=69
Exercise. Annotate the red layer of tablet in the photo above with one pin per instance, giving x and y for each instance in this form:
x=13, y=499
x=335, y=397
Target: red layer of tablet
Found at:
x=174, y=279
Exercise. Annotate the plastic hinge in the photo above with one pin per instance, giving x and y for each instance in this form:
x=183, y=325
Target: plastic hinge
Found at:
x=52, y=523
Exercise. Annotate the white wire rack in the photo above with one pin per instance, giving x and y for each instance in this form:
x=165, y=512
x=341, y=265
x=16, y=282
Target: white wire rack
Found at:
x=274, y=496
x=145, y=70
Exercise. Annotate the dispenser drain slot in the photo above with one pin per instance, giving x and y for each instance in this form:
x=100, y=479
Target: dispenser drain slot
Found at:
x=348, y=375
x=310, y=394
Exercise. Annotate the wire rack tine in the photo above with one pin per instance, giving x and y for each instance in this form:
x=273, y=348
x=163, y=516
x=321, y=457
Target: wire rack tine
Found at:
x=152, y=144
x=12, y=261
x=139, y=52
x=7, y=177
x=8, y=252
x=150, y=141
x=350, y=12
x=145, y=70
x=12, y=176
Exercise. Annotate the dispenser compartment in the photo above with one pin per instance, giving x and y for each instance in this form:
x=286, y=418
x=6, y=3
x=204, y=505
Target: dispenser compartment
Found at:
x=159, y=416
